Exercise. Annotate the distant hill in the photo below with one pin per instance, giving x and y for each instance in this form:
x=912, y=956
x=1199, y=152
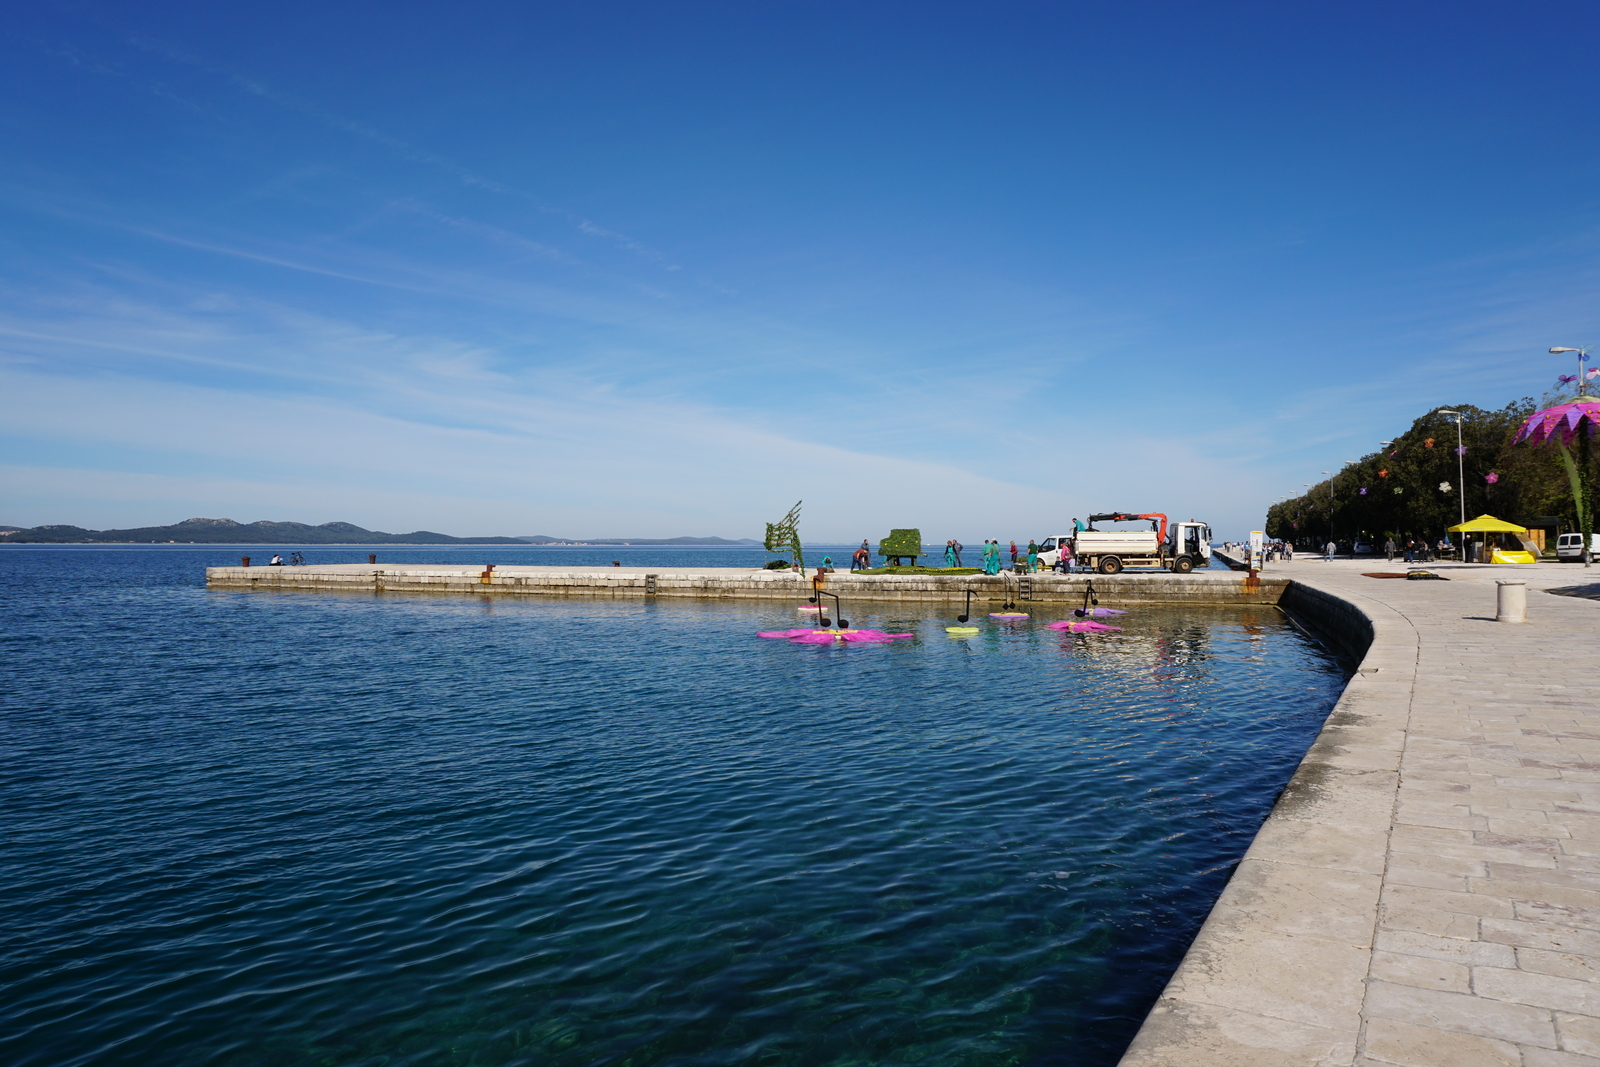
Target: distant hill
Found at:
x=541, y=539
x=226, y=531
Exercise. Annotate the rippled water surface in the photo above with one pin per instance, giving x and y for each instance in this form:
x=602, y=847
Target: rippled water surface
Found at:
x=251, y=828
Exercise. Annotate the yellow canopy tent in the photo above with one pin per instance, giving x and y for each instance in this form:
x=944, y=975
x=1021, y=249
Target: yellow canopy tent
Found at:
x=1488, y=524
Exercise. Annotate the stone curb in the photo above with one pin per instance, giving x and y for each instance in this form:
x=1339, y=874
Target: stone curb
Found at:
x=1277, y=975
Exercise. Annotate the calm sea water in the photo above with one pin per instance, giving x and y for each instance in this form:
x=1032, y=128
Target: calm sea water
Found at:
x=255, y=828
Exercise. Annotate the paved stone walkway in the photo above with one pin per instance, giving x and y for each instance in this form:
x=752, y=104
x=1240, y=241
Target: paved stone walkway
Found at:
x=1428, y=893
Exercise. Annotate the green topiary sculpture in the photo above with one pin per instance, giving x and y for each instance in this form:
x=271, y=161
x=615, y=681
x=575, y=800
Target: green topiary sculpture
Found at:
x=901, y=544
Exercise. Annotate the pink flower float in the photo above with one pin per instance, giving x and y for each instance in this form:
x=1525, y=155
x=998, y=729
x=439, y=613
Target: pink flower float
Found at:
x=828, y=637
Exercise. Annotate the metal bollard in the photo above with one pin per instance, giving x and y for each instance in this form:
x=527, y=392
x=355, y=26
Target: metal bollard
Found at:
x=244, y=561
x=372, y=557
x=1511, y=601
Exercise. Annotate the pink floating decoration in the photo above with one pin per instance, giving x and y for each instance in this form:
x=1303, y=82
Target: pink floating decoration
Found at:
x=826, y=637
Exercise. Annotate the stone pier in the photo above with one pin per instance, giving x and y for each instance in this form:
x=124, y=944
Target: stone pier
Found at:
x=1158, y=587
x=1426, y=892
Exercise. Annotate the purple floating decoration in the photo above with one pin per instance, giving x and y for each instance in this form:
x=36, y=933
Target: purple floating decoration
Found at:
x=1083, y=627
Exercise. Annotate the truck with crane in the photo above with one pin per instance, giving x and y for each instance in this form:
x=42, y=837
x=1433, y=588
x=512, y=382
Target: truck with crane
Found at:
x=1179, y=546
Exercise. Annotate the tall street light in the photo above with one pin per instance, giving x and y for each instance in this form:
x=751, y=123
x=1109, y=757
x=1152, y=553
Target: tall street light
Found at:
x=1461, y=477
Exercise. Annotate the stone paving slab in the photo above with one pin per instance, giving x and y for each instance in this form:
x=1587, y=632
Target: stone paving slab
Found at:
x=1427, y=891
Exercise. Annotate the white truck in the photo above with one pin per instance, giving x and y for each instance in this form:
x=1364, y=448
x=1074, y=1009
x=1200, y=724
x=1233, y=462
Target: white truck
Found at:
x=1179, y=547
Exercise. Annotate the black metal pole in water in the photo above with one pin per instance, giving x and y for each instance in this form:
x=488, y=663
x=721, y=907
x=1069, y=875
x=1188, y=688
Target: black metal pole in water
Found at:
x=838, y=610
x=967, y=612
x=1090, y=602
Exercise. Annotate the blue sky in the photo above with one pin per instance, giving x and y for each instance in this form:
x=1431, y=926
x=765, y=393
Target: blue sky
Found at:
x=657, y=269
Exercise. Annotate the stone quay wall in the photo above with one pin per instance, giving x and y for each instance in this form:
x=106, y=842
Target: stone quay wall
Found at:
x=1208, y=587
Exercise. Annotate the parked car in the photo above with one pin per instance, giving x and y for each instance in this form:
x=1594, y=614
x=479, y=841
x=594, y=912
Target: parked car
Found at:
x=1569, y=548
x=1363, y=548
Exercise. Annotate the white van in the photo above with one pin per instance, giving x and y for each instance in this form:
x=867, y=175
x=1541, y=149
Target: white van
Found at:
x=1569, y=548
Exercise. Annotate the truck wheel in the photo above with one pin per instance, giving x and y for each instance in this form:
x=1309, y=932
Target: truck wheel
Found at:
x=1182, y=565
x=1110, y=565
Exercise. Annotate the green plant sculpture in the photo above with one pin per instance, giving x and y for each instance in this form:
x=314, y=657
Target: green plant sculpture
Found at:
x=901, y=544
x=784, y=536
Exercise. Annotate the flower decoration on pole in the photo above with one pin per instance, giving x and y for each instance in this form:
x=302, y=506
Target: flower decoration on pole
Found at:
x=1363, y=490
x=1428, y=443
x=1569, y=425
x=1384, y=473
x=1491, y=477
x=1398, y=490
x=1445, y=487
x=1460, y=450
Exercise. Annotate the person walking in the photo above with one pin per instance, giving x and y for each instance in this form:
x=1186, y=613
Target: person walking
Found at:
x=1411, y=550
x=958, y=547
x=949, y=553
x=1013, y=555
x=991, y=557
x=1328, y=551
x=1389, y=548
x=1033, y=557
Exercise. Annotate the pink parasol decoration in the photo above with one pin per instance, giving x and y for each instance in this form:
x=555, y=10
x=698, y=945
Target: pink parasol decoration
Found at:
x=1083, y=627
x=1560, y=422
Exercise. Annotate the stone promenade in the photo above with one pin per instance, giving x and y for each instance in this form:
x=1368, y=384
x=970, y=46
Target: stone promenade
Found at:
x=1427, y=892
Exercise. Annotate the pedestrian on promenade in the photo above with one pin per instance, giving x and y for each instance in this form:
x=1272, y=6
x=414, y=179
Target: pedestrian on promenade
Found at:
x=1064, y=553
x=1033, y=557
x=949, y=553
x=1411, y=550
x=1013, y=555
x=862, y=559
x=1389, y=547
x=1328, y=552
x=958, y=547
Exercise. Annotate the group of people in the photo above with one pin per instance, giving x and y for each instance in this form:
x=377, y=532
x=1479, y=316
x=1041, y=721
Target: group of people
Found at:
x=993, y=556
x=1270, y=550
x=1417, y=551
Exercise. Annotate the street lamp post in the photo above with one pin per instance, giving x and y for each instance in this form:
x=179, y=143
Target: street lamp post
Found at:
x=1461, y=477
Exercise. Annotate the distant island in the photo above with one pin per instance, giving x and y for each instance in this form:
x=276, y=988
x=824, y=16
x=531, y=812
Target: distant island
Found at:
x=226, y=531
x=229, y=532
